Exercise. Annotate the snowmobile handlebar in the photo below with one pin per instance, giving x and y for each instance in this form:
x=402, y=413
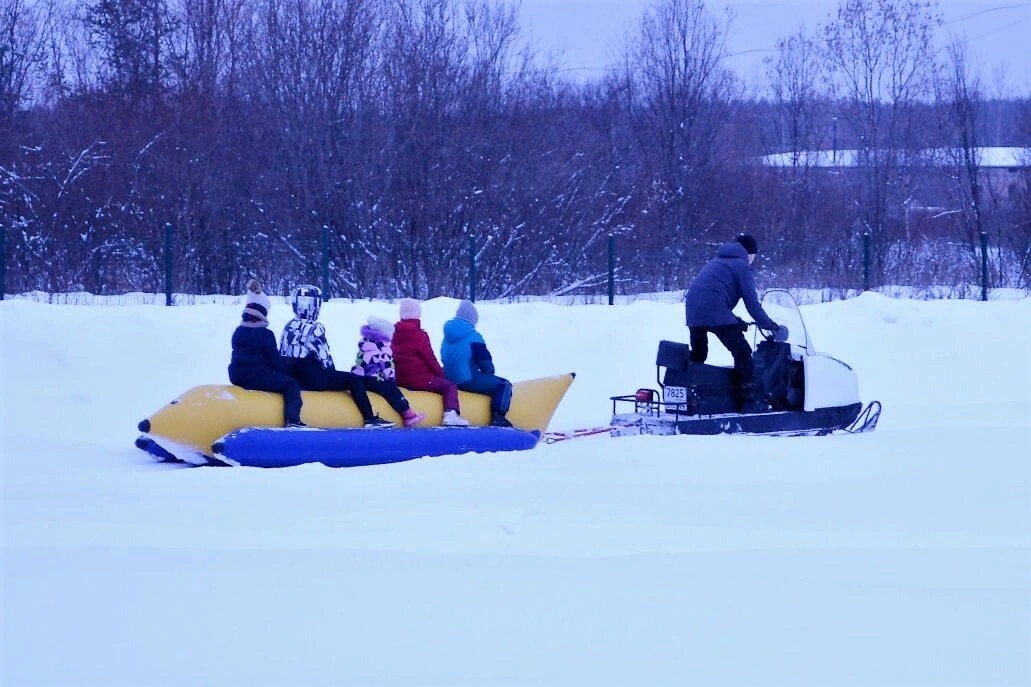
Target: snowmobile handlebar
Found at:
x=780, y=334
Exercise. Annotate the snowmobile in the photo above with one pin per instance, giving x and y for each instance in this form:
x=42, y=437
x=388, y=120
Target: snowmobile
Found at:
x=802, y=392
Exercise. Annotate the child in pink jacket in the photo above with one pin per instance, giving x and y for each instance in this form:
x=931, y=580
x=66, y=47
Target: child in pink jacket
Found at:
x=375, y=365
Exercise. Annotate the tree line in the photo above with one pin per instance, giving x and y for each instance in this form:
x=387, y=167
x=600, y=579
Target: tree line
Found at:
x=393, y=137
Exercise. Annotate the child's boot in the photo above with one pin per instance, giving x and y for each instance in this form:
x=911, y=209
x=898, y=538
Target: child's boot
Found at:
x=452, y=419
x=499, y=420
x=412, y=418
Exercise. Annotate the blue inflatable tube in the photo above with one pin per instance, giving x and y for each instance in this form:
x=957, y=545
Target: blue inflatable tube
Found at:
x=268, y=447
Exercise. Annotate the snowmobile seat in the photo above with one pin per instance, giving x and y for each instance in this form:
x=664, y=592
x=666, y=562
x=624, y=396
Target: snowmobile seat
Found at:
x=673, y=355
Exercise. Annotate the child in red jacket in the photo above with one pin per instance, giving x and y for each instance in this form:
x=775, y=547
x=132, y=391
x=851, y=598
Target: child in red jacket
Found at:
x=416, y=364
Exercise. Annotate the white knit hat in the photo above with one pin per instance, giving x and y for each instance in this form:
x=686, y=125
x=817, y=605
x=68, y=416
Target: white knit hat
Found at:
x=256, y=295
x=384, y=327
x=257, y=304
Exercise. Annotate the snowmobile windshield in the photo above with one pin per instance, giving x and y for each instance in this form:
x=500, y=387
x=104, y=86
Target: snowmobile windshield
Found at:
x=781, y=306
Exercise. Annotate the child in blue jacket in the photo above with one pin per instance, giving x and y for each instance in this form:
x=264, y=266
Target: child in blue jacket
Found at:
x=468, y=363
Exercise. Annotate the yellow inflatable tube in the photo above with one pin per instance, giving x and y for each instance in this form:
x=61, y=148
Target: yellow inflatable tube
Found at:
x=186, y=427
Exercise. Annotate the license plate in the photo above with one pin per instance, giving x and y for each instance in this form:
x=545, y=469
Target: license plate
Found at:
x=674, y=395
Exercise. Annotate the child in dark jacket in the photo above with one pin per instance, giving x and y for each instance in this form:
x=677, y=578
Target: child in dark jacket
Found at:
x=468, y=363
x=255, y=363
x=416, y=363
x=304, y=347
x=374, y=363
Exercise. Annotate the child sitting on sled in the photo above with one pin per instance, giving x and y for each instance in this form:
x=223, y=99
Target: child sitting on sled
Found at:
x=468, y=363
x=374, y=363
x=305, y=349
x=416, y=363
x=255, y=363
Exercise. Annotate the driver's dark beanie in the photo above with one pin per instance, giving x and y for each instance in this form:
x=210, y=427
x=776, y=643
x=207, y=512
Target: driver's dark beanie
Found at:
x=748, y=241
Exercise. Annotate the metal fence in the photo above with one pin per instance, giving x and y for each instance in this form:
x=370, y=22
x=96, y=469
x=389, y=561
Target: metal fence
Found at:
x=623, y=272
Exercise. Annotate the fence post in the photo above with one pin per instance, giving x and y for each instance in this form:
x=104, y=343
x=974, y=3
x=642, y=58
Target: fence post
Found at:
x=325, y=262
x=612, y=269
x=472, y=268
x=168, y=263
x=3, y=261
x=984, y=265
x=866, y=261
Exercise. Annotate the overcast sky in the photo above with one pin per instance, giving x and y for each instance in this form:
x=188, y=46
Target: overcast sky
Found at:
x=587, y=34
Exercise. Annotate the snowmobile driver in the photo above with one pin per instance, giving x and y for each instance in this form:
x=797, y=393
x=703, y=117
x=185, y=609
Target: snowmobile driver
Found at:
x=711, y=298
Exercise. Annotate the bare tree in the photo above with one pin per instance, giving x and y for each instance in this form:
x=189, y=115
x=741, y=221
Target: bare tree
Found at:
x=805, y=205
x=880, y=56
x=206, y=45
x=1019, y=239
x=459, y=94
x=679, y=96
x=199, y=151
x=960, y=100
x=309, y=72
x=131, y=36
x=24, y=28
x=795, y=74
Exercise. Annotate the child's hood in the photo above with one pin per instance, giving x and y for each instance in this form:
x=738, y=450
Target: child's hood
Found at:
x=457, y=329
x=378, y=329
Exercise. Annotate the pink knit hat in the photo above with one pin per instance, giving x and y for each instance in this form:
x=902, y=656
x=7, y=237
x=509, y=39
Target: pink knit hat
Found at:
x=410, y=309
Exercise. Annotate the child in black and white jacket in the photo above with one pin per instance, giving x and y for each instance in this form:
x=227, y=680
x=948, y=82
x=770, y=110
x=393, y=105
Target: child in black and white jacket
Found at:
x=305, y=349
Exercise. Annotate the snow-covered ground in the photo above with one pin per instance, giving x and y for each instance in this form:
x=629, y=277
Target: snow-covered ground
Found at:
x=899, y=557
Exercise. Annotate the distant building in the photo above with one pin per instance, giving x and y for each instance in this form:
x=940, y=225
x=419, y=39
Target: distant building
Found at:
x=1002, y=168
x=932, y=208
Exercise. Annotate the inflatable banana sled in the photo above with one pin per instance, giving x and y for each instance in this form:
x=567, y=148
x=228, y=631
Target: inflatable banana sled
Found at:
x=265, y=447
x=186, y=428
